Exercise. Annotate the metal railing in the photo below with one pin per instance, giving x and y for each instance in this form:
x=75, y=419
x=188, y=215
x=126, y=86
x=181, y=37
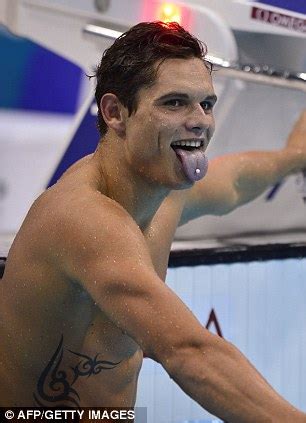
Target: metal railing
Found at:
x=257, y=73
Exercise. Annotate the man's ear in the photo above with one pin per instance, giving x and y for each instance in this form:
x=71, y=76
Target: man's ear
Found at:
x=113, y=113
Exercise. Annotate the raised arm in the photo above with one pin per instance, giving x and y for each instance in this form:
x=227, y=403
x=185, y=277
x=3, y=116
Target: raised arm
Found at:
x=236, y=179
x=116, y=269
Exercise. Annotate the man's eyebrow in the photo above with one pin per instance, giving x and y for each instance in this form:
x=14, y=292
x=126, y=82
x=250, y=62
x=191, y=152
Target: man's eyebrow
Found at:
x=173, y=94
x=210, y=97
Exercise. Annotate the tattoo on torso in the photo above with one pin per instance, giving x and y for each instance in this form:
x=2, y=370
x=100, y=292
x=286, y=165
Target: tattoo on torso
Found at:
x=55, y=384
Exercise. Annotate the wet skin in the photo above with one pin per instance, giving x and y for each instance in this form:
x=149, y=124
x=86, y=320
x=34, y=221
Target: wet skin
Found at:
x=133, y=188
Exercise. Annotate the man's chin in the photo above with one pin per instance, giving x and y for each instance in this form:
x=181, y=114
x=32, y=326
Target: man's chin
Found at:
x=183, y=184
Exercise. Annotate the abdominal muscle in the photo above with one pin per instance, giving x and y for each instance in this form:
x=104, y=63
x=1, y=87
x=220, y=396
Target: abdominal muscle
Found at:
x=111, y=372
x=65, y=355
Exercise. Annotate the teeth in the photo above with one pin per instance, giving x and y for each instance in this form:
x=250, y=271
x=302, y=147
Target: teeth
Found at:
x=192, y=143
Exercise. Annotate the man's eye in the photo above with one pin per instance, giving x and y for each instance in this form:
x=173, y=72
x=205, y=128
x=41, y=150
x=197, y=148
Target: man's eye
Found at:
x=174, y=103
x=207, y=105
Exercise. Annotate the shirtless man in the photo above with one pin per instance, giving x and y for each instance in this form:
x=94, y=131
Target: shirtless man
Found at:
x=83, y=293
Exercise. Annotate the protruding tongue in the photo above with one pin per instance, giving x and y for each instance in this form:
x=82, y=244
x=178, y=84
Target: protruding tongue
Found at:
x=194, y=163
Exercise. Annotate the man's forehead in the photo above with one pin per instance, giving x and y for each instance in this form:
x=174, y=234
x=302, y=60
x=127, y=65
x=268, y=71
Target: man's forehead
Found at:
x=176, y=75
x=182, y=65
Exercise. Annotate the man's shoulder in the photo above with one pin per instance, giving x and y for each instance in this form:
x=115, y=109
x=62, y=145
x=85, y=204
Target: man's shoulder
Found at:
x=82, y=227
x=78, y=210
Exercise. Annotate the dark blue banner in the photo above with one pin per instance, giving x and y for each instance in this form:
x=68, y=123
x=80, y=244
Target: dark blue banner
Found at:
x=84, y=141
x=294, y=5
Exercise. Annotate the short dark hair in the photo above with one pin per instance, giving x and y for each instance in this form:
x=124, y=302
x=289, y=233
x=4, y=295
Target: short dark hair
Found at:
x=129, y=64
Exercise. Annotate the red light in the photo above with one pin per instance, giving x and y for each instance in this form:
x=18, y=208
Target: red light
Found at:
x=169, y=12
x=166, y=11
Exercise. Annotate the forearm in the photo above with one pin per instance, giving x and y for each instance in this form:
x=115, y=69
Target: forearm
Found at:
x=253, y=172
x=235, y=179
x=258, y=170
x=223, y=382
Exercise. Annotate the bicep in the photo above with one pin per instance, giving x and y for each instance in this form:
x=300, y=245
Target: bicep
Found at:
x=137, y=301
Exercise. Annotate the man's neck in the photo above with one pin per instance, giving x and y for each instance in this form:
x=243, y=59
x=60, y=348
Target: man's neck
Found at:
x=139, y=196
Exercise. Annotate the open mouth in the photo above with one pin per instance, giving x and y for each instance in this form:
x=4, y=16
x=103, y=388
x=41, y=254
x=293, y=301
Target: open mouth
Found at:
x=188, y=145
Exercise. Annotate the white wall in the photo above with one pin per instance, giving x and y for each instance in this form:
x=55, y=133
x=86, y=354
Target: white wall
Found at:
x=29, y=144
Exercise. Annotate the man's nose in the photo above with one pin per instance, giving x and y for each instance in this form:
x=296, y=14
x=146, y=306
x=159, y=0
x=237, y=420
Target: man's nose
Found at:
x=200, y=120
